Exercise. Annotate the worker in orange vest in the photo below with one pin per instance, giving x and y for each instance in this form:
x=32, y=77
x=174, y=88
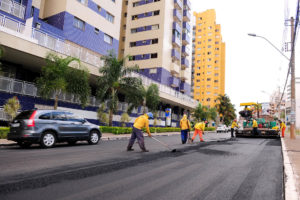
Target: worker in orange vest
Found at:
x=199, y=129
x=282, y=128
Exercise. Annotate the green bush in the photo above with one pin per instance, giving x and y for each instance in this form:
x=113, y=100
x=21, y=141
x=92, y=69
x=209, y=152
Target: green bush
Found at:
x=3, y=132
x=210, y=128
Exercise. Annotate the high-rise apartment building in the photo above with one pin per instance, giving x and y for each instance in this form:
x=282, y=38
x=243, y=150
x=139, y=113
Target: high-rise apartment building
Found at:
x=88, y=29
x=156, y=34
x=208, y=60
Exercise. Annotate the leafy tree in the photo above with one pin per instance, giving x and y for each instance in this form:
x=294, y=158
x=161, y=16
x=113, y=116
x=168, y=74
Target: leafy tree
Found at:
x=225, y=109
x=151, y=97
x=58, y=77
x=114, y=80
x=212, y=112
x=102, y=115
x=201, y=112
x=11, y=107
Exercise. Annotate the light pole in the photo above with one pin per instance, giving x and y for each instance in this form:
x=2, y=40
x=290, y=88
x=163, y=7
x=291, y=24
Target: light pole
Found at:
x=292, y=65
x=254, y=35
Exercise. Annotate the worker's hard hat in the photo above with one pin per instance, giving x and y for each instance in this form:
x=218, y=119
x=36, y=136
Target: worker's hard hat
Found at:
x=234, y=120
x=150, y=115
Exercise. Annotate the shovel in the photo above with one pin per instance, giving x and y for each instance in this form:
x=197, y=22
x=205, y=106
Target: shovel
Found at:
x=164, y=144
x=189, y=138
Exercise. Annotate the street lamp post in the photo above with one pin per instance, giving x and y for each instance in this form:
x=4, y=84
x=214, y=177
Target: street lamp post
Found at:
x=292, y=63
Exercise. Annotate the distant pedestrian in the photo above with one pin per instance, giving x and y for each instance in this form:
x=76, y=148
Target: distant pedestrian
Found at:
x=282, y=128
x=137, y=133
x=199, y=129
x=254, y=126
x=185, y=127
x=233, y=125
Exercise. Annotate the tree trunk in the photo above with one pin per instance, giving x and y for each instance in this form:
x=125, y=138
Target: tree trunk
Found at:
x=110, y=117
x=56, y=102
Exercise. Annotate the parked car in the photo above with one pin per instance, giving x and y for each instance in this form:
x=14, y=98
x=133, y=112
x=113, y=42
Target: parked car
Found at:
x=221, y=128
x=48, y=127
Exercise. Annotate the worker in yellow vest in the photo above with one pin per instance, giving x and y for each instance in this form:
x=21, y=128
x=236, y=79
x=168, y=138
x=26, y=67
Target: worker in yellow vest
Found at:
x=282, y=128
x=233, y=125
x=199, y=129
x=254, y=126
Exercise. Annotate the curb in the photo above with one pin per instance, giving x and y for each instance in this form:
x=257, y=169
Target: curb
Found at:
x=290, y=189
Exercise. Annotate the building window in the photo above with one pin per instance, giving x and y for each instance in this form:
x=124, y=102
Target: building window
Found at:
x=123, y=39
x=109, y=17
x=125, y=14
x=156, y=12
x=78, y=23
x=208, y=73
x=216, y=74
x=113, y=1
x=216, y=81
x=154, y=41
x=208, y=93
x=208, y=66
x=96, y=30
x=99, y=8
x=208, y=79
x=108, y=39
x=153, y=55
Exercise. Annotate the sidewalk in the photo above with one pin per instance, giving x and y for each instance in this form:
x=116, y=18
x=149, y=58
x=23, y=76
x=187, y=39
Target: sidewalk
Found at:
x=291, y=155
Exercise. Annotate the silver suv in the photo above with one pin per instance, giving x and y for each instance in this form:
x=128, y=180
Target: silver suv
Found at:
x=48, y=127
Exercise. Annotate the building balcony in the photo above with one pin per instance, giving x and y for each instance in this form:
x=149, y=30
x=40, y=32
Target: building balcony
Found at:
x=175, y=69
x=186, y=25
x=174, y=82
x=176, y=41
x=177, y=27
x=187, y=4
x=186, y=15
x=185, y=39
x=185, y=51
x=178, y=4
x=182, y=87
x=184, y=63
x=184, y=75
x=175, y=54
x=48, y=41
x=177, y=16
x=13, y=8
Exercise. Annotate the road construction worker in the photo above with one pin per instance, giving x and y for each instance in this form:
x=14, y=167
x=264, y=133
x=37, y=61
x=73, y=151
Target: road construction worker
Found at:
x=282, y=128
x=185, y=126
x=137, y=133
x=254, y=126
x=233, y=125
x=199, y=129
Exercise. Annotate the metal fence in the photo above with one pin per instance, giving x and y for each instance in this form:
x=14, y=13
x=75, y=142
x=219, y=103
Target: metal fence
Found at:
x=13, y=8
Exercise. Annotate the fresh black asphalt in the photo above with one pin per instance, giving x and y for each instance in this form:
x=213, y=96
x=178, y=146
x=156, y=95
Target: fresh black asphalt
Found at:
x=244, y=168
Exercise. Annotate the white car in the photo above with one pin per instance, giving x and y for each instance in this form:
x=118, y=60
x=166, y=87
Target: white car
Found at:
x=221, y=128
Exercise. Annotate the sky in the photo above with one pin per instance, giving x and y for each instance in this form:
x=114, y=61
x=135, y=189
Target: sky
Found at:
x=254, y=69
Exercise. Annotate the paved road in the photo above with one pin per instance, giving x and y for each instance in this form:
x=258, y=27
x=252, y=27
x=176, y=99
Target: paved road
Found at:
x=240, y=169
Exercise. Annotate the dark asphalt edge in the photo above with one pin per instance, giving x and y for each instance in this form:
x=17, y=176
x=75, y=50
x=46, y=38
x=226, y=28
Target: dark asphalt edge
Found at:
x=39, y=180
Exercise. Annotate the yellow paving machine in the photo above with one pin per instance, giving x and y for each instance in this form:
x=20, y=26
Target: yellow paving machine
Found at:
x=267, y=126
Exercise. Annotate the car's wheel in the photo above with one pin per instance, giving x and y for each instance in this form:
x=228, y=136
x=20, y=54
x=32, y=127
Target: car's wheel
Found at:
x=94, y=137
x=48, y=139
x=72, y=142
x=24, y=144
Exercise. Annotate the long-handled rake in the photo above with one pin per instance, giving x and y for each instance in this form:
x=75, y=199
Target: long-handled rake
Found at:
x=164, y=144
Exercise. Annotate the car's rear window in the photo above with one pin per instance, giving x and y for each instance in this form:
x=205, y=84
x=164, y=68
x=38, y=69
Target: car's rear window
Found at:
x=24, y=114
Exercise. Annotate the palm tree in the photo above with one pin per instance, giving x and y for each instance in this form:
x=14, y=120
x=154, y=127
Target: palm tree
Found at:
x=114, y=80
x=58, y=77
x=225, y=109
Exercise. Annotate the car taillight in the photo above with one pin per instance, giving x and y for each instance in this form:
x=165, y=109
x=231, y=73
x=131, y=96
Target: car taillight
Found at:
x=30, y=122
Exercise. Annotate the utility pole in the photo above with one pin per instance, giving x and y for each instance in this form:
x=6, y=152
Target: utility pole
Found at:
x=293, y=102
